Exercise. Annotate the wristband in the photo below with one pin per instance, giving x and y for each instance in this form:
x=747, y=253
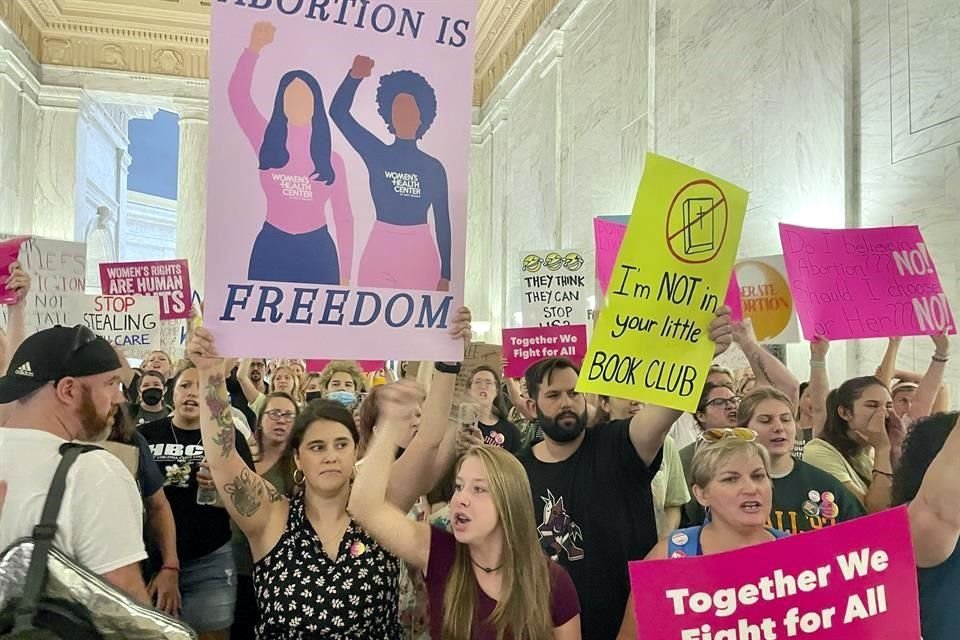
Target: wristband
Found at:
x=940, y=358
x=170, y=567
x=818, y=364
x=883, y=473
x=448, y=367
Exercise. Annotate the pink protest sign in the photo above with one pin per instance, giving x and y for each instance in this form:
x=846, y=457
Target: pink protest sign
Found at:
x=609, y=236
x=523, y=347
x=854, y=580
x=9, y=253
x=168, y=280
x=337, y=177
x=733, y=299
x=864, y=283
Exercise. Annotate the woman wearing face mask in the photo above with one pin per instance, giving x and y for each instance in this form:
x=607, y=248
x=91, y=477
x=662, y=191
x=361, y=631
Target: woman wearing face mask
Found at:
x=274, y=463
x=484, y=385
x=313, y=533
x=860, y=441
x=805, y=498
x=669, y=485
x=732, y=479
x=312, y=387
x=342, y=381
x=203, y=532
x=489, y=579
x=152, y=390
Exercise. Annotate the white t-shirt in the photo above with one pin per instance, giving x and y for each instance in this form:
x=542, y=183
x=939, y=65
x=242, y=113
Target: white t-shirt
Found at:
x=685, y=430
x=101, y=518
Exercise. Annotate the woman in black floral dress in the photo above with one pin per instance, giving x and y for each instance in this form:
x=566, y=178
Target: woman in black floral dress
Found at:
x=316, y=572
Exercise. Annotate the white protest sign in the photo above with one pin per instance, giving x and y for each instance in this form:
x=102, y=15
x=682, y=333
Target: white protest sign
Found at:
x=130, y=323
x=556, y=285
x=56, y=268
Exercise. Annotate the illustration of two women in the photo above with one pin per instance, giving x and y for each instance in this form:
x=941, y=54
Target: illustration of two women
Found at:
x=300, y=174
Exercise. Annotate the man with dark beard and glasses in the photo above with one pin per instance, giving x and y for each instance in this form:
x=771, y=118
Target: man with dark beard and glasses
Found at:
x=591, y=487
x=62, y=385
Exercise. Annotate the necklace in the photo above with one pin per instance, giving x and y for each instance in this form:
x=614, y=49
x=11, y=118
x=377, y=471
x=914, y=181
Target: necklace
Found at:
x=486, y=570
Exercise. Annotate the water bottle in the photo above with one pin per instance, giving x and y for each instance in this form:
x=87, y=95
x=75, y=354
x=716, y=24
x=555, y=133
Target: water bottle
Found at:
x=206, y=496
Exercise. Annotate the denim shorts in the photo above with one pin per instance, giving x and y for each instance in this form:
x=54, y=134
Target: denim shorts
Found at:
x=208, y=586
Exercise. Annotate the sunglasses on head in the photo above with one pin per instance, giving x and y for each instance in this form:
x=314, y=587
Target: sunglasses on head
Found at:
x=82, y=336
x=711, y=436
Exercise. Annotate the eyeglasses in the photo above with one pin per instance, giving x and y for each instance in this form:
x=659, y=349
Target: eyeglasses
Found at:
x=723, y=402
x=711, y=436
x=280, y=416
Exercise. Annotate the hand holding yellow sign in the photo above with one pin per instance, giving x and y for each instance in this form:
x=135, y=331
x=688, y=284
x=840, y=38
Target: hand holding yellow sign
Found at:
x=671, y=275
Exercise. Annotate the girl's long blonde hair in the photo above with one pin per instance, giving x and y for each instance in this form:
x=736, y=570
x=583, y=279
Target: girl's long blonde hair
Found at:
x=523, y=609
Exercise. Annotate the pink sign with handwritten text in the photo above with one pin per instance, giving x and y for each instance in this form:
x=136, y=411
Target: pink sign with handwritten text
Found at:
x=864, y=283
x=853, y=580
x=524, y=347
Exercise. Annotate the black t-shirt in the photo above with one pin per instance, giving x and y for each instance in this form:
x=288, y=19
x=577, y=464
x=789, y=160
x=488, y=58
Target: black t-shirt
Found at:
x=503, y=434
x=179, y=452
x=808, y=499
x=594, y=514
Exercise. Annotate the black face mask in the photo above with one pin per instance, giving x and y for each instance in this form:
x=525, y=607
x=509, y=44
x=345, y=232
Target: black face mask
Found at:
x=562, y=433
x=151, y=396
x=314, y=395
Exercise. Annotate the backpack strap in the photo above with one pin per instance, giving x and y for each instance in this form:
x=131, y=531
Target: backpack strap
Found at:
x=43, y=534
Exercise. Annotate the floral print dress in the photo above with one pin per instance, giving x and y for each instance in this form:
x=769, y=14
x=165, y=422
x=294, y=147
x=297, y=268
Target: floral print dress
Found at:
x=304, y=594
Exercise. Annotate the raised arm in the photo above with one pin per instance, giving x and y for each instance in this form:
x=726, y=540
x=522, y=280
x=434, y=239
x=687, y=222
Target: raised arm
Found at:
x=252, y=502
x=359, y=138
x=935, y=512
x=769, y=371
x=649, y=426
x=250, y=391
x=932, y=381
x=888, y=366
x=239, y=90
x=388, y=524
x=819, y=385
x=19, y=282
x=879, y=494
x=343, y=218
x=441, y=216
x=408, y=479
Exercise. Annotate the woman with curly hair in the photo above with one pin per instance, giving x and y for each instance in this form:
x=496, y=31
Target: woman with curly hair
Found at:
x=342, y=381
x=927, y=480
x=405, y=182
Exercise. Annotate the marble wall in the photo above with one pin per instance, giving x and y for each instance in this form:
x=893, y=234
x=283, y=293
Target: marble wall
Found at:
x=806, y=103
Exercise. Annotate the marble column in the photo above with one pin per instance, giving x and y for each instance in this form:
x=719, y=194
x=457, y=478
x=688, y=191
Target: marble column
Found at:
x=192, y=192
x=9, y=162
x=55, y=175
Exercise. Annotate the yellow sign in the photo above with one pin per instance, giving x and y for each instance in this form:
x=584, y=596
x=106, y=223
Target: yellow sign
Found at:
x=671, y=274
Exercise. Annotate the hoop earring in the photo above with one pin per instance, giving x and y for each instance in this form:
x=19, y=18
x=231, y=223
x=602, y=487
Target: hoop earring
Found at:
x=301, y=480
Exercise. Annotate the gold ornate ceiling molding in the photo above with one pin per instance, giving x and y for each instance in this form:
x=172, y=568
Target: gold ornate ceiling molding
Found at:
x=171, y=37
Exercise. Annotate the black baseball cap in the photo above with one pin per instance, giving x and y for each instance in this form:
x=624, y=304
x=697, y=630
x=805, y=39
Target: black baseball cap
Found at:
x=52, y=354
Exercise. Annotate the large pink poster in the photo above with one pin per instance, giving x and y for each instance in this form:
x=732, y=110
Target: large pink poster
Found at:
x=337, y=178
x=856, y=580
x=864, y=283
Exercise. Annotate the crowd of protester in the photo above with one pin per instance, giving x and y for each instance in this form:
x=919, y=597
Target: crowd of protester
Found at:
x=256, y=499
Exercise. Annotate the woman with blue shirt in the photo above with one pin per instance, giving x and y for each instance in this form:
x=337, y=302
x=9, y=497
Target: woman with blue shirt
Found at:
x=405, y=182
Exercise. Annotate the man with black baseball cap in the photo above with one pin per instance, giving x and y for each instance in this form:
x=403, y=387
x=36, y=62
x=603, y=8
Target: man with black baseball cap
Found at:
x=62, y=385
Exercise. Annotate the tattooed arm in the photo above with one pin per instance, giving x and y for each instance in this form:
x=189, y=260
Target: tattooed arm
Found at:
x=257, y=508
x=769, y=371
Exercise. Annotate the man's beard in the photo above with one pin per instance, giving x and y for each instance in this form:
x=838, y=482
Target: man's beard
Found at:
x=95, y=428
x=562, y=433
x=256, y=376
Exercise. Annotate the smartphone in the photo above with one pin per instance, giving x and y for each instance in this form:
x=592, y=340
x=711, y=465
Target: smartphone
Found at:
x=468, y=416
